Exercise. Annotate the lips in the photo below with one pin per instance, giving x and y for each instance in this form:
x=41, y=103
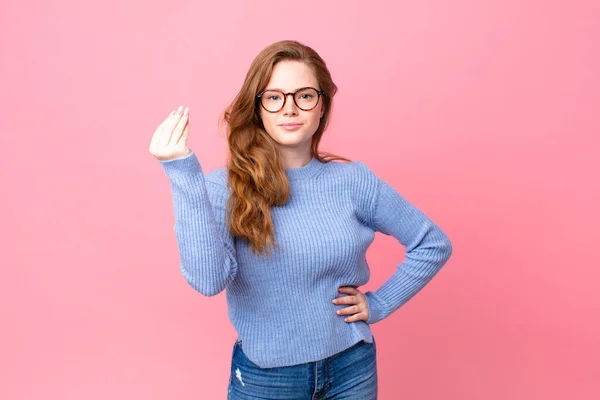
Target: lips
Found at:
x=290, y=124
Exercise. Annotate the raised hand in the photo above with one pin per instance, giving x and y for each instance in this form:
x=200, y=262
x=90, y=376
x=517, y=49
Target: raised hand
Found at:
x=170, y=137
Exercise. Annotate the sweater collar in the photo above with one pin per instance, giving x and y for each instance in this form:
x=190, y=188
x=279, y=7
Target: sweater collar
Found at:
x=304, y=172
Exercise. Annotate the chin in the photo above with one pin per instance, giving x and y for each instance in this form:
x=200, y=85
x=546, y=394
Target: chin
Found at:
x=289, y=142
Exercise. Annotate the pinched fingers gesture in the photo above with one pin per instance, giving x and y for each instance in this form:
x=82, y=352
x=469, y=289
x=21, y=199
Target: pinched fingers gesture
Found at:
x=170, y=137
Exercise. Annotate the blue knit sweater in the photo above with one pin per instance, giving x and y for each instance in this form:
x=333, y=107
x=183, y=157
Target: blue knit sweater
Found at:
x=281, y=307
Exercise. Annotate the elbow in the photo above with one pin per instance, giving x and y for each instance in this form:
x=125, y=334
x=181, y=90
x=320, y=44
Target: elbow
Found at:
x=442, y=245
x=447, y=248
x=209, y=292
x=444, y=248
x=205, y=288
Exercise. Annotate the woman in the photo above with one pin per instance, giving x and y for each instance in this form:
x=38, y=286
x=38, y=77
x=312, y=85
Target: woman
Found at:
x=285, y=230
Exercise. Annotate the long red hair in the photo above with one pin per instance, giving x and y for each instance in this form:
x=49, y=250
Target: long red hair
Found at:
x=256, y=173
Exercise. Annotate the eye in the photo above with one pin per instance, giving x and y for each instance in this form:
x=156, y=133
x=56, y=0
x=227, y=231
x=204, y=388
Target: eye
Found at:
x=273, y=97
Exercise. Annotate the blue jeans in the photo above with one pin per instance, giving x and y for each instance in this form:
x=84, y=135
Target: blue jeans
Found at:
x=350, y=374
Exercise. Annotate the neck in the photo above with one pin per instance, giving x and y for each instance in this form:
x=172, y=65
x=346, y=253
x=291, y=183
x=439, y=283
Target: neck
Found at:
x=305, y=171
x=295, y=159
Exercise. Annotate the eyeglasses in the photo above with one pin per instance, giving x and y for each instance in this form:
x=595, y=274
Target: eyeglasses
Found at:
x=305, y=98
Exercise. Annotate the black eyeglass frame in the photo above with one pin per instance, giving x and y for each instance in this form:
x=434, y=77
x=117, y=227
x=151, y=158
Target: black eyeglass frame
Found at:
x=320, y=93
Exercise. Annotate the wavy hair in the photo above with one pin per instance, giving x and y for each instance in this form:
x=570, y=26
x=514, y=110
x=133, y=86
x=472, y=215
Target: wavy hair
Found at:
x=256, y=172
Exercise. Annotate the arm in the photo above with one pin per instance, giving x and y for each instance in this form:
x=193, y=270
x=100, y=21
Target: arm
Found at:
x=427, y=248
x=206, y=249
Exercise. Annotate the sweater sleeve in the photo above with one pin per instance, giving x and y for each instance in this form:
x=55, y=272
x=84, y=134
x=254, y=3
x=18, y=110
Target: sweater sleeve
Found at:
x=206, y=248
x=427, y=248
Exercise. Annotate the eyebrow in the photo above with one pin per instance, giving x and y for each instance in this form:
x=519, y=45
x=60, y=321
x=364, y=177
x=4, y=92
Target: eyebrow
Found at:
x=281, y=90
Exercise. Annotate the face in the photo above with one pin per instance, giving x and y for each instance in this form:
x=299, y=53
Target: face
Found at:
x=288, y=76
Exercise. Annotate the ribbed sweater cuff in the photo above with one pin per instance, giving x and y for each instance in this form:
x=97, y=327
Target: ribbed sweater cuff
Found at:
x=182, y=166
x=376, y=309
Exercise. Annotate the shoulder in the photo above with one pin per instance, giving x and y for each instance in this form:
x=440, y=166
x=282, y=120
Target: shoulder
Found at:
x=359, y=181
x=355, y=172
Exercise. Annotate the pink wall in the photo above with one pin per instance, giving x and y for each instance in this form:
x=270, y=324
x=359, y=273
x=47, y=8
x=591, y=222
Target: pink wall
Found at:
x=484, y=114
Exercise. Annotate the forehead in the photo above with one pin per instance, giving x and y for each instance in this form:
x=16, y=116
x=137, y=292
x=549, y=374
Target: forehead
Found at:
x=290, y=75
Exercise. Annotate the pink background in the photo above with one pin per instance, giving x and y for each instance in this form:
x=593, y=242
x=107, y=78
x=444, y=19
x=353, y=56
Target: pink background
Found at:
x=483, y=114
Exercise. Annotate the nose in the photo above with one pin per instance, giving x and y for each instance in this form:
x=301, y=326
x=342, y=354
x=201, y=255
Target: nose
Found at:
x=290, y=108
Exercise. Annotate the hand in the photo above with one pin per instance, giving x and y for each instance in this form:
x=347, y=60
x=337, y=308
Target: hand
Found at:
x=359, y=304
x=170, y=138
